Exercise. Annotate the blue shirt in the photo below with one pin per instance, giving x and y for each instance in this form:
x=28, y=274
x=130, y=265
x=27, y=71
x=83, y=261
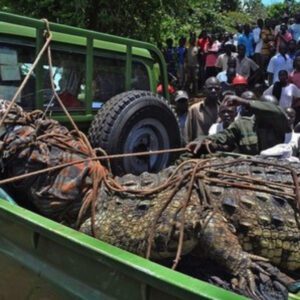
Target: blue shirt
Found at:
x=248, y=42
x=181, y=52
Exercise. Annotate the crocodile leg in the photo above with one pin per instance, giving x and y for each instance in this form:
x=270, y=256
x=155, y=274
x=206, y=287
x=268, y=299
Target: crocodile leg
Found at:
x=219, y=241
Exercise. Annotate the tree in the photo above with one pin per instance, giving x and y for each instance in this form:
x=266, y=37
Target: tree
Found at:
x=230, y=5
x=137, y=19
x=148, y=20
x=278, y=10
x=255, y=8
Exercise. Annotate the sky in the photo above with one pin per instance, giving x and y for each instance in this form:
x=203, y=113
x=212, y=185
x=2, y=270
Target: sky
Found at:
x=267, y=2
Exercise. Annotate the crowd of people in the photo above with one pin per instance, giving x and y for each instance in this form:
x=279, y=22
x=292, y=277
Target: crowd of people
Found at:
x=233, y=72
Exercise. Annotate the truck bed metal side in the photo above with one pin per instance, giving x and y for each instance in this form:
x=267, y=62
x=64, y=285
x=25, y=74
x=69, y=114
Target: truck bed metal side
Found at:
x=41, y=259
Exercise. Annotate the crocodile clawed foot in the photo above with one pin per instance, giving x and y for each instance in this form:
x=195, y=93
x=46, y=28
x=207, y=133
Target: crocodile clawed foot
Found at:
x=257, y=281
x=246, y=284
x=261, y=280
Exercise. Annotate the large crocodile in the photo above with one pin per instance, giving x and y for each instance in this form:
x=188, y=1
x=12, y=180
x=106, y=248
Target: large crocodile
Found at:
x=239, y=212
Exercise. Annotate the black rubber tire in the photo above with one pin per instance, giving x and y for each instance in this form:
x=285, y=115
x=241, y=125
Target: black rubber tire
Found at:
x=131, y=117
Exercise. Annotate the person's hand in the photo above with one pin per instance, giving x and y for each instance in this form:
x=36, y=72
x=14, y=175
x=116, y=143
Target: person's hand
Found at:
x=194, y=147
x=233, y=100
x=200, y=147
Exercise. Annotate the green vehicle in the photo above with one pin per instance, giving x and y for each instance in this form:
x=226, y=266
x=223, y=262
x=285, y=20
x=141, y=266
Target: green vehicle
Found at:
x=39, y=258
x=107, y=83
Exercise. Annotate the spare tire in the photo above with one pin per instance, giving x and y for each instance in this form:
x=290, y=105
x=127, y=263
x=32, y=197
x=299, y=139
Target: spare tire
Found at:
x=136, y=121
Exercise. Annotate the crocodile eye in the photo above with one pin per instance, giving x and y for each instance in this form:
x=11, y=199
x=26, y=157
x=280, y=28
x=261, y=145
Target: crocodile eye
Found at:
x=129, y=183
x=143, y=205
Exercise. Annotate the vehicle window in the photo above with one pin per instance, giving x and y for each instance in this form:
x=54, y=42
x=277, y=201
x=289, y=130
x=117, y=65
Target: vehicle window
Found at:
x=108, y=80
x=15, y=62
x=140, y=78
x=69, y=79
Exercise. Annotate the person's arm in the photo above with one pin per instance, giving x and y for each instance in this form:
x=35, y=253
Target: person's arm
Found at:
x=256, y=35
x=218, y=63
x=265, y=109
x=265, y=112
x=225, y=140
x=264, y=36
x=188, y=127
x=270, y=70
x=296, y=96
x=271, y=115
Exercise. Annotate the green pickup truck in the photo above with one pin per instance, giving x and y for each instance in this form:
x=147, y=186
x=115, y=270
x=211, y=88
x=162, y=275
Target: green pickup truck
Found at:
x=108, y=84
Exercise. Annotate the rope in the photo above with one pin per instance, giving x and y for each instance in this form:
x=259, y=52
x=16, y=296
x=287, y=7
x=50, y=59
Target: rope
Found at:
x=25, y=80
x=75, y=162
x=179, y=177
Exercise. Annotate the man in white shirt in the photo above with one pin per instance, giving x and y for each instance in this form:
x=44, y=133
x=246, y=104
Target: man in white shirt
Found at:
x=258, y=40
x=280, y=61
x=295, y=28
x=289, y=149
x=257, y=57
x=284, y=91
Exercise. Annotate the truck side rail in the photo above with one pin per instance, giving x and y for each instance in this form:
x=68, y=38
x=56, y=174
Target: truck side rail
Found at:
x=90, y=36
x=81, y=267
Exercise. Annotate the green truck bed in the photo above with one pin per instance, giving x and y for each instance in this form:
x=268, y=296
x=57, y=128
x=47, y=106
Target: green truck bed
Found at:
x=41, y=259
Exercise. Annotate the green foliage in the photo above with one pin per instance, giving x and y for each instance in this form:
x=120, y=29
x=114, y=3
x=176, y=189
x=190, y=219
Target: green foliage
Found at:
x=149, y=20
x=230, y=5
x=255, y=8
x=278, y=10
x=231, y=19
